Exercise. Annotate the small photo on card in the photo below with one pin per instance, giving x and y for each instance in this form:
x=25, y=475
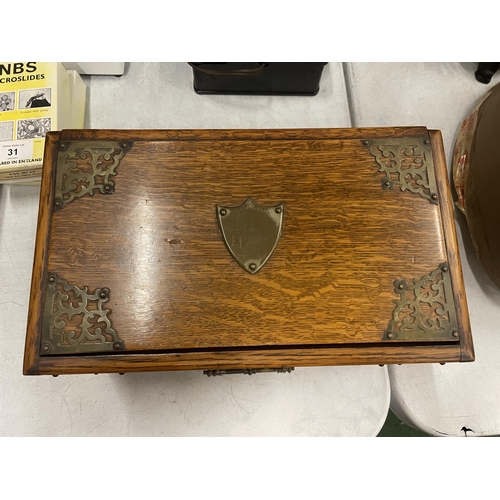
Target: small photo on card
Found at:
x=35, y=98
x=6, y=131
x=7, y=101
x=31, y=129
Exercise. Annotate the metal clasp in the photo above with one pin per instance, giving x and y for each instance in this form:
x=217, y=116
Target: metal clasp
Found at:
x=247, y=371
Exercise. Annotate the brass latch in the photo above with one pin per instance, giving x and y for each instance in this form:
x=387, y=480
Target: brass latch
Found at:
x=247, y=371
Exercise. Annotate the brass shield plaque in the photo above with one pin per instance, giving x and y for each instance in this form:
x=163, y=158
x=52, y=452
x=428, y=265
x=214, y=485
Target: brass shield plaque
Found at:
x=251, y=232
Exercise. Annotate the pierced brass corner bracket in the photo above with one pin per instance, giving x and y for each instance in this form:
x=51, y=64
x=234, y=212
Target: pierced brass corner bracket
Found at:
x=74, y=321
x=406, y=163
x=84, y=167
x=425, y=309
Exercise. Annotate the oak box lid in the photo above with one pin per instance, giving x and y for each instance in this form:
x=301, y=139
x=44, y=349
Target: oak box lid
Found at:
x=244, y=249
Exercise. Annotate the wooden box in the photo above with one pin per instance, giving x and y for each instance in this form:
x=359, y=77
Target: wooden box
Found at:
x=244, y=249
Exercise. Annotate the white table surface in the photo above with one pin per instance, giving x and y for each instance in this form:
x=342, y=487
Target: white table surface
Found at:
x=333, y=401
x=440, y=400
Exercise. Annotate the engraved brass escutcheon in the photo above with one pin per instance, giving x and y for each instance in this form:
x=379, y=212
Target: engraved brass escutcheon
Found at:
x=251, y=232
x=74, y=320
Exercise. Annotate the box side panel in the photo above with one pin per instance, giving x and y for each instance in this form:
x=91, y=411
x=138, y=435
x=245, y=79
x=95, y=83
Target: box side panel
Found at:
x=465, y=334
x=39, y=276
x=228, y=360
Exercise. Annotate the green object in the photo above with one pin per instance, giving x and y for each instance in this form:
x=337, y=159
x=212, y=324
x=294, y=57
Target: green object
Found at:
x=393, y=427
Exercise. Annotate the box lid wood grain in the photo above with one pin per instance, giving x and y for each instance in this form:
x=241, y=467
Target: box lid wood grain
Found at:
x=244, y=249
